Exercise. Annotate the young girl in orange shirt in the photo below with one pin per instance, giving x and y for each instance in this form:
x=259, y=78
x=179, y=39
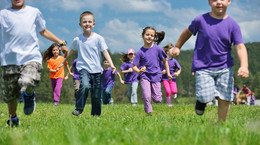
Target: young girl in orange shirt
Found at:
x=54, y=59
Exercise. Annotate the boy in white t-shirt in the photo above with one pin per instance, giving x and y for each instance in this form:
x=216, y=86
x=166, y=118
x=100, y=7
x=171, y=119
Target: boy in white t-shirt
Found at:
x=90, y=45
x=21, y=60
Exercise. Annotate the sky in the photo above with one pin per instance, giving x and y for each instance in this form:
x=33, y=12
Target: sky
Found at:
x=121, y=22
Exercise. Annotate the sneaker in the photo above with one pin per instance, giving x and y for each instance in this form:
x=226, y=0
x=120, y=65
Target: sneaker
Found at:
x=76, y=112
x=29, y=103
x=56, y=103
x=149, y=114
x=14, y=122
x=200, y=107
x=170, y=105
x=134, y=104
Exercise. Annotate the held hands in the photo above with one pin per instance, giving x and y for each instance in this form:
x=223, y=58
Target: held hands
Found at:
x=130, y=70
x=143, y=69
x=243, y=72
x=169, y=76
x=176, y=51
x=122, y=82
x=114, y=69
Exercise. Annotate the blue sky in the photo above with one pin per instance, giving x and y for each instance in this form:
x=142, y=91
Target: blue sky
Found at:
x=121, y=22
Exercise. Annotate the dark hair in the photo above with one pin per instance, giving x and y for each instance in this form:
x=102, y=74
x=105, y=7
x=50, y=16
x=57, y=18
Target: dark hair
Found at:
x=159, y=36
x=124, y=57
x=48, y=53
x=84, y=14
x=166, y=48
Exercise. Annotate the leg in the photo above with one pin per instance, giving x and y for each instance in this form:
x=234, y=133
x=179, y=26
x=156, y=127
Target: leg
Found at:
x=156, y=92
x=134, y=98
x=96, y=89
x=223, y=109
x=146, y=89
x=57, y=90
x=107, y=94
x=83, y=90
x=173, y=87
x=12, y=107
x=76, y=87
x=167, y=91
x=129, y=92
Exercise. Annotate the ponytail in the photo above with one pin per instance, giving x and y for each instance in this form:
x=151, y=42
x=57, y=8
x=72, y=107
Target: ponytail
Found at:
x=159, y=36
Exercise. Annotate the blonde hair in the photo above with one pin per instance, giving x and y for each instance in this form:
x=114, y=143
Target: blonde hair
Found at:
x=86, y=13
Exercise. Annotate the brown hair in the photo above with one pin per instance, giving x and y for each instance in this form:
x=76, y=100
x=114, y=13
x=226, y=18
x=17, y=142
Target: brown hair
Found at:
x=86, y=13
x=124, y=58
x=48, y=53
x=159, y=36
x=167, y=47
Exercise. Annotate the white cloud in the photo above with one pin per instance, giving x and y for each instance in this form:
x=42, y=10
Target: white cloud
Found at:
x=250, y=30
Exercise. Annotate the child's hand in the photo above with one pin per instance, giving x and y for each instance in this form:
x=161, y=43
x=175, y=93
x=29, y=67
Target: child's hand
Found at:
x=66, y=77
x=176, y=74
x=143, y=69
x=130, y=70
x=114, y=69
x=122, y=82
x=170, y=77
x=193, y=73
x=71, y=74
x=243, y=72
x=176, y=51
x=164, y=71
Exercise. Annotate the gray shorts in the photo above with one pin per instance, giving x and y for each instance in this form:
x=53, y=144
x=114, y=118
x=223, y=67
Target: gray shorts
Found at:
x=16, y=79
x=214, y=83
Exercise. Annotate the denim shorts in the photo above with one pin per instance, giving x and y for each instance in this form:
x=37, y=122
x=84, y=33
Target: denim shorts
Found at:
x=214, y=83
x=16, y=79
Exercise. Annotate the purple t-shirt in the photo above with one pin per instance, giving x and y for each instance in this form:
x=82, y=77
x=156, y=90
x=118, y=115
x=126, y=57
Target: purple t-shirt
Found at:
x=214, y=40
x=173, y=65
x=131, y=76
x=75, y=72
x=150, y=58
x=108, y=77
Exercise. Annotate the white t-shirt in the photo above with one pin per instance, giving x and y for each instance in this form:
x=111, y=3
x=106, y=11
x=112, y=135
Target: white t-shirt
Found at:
x=18, y=30
x=89, y=52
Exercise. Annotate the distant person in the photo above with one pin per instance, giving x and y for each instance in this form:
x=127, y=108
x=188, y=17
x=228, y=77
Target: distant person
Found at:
x=108, y=82
x=76, y=78
x=54, y=59
x=147, y=64
x=89, y=46
x=212, y=60
x=252, y=100
x=130, y=76
x=175, y=70
x=235, y=91
x=21, y=60
x=247, y=91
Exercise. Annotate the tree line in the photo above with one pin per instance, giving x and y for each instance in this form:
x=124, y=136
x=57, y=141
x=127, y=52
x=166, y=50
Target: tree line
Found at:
x=185, y=82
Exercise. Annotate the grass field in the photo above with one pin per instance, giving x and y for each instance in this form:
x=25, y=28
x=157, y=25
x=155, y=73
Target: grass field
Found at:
x=126, y=124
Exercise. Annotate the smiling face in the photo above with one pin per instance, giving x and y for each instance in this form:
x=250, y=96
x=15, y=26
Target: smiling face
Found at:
x=56, y=51
x=87, y=23
x=219, y=7
x=106, y=64
x=17, y=4
x=148, y=37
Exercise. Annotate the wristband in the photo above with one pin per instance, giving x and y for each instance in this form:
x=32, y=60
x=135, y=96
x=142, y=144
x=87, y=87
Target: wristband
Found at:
x=64, y=43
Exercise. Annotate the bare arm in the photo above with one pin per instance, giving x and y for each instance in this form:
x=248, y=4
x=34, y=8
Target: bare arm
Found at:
x=127, y=71
x=50, y=36
x=107, y=56
x=177, y=73
x=120, y=78
x=185, y=35
x=166, y=65
x=242, y=56
x=137, y=70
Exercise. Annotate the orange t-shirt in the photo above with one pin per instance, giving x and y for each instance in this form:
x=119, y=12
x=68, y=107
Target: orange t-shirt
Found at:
x=53, y=64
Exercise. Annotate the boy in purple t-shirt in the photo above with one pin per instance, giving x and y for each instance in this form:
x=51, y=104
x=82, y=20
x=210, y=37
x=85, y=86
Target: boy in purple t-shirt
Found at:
x=212, y=60
x=108, y=82
x=130, y=76
x=76, y=79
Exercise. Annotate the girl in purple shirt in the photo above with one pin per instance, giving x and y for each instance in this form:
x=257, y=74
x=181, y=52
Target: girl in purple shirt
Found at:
x=170, y=85
x=147, y=64
x=130, y=76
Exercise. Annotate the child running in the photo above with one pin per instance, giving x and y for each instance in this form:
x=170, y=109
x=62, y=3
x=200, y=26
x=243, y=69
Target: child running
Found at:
x=54, y=59
x=90, y=45
x=170, y=85
x=108, y=82
x=147, y=64
x=21, y=60
x=212, y=60
x=130, y=76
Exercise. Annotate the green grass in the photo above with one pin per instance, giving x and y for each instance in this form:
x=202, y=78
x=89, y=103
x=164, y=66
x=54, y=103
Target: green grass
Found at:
x=126, y=124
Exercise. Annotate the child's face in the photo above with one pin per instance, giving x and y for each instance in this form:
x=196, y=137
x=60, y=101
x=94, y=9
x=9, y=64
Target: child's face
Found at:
x=131, y=56
x=87, y=23
x=106, y=64
x=219, y=7
x=17, y=4
x=148, y=36
x=55, y=51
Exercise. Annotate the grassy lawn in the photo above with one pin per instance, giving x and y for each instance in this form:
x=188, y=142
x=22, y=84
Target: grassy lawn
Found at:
x=126, y=124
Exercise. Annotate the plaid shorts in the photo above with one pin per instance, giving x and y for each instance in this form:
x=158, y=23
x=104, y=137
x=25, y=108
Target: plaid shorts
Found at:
x=16, y=79
x=214, y=83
